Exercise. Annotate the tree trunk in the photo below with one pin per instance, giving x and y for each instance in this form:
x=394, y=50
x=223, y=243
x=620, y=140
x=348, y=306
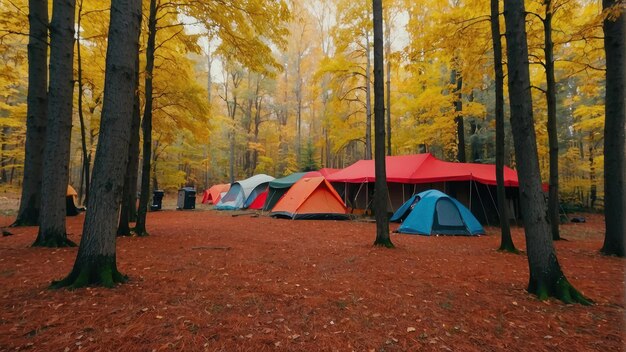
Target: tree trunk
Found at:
x=96, y=261
x=506, y=241
x=140, y=226
x=381, y=192
x=546, y=277
x=298, y=110
x=368, y=100
x=129, y=195
x=614, y=133
x=30, y=201
x=83, y=139
x=387, y=38
x=456, y=78
x=553, y=138
x=57, y=150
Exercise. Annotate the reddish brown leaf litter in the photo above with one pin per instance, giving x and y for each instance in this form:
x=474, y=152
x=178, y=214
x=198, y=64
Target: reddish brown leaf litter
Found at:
x=207, y=281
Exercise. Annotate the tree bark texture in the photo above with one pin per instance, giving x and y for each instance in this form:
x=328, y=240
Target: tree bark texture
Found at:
x=546, y=277
x=456, y=78
x=128, y=212
x=142, y=211
x=86, y=178
x=614, y=133
x=30, y=201
x=59, y=130
x=553, y=137
x=506, y=241
x=368, y=100
x=388, y=86
x=96, y=261
x=381, y=192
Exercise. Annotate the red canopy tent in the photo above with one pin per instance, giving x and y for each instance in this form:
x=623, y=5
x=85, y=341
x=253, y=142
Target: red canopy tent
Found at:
x=409, y=174
x=423, y=168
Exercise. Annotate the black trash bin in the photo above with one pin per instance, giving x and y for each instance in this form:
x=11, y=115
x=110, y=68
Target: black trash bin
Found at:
x=186, y=198
x=157, y=200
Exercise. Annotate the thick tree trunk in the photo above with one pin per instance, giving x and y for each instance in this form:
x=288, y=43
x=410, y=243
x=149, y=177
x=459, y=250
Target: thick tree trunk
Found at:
x=506, y=241
x=381, y=192
x=553, y=138
x=30, y=201
x=140, y=226
x=614, y=133
x=368, y=100
x=129, y=195
x=546, y=277
x=96, y=261
x=57, y=150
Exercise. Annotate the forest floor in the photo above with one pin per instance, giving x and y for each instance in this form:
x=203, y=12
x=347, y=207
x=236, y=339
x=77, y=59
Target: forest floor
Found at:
x=209, y=281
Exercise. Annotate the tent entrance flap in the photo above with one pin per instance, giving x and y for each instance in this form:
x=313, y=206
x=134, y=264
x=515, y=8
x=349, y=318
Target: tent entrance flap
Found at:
x=448, y=219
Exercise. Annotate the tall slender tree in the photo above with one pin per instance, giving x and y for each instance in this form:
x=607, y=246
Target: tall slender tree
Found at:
x=506, y=242
x=58, y=137
x=142, y=211
x=546, y=277
x=614, y=27
x=30, y=201
x=368, y=96
x=381, y=192
x=86, y=178
x=456, y=80
x=96, y=260
x=553, y=137
x=129, y=197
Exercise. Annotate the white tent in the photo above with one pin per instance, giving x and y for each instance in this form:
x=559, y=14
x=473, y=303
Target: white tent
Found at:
x=242, y=193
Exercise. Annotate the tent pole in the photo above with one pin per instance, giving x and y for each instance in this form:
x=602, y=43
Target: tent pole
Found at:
x=493, y=201
x=481, y=204
x=367, y=203
x=357, y=196
x=470, y=193
x=403, y=194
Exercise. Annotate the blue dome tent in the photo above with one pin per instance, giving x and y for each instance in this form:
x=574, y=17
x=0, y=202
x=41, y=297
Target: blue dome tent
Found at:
x=433, y=212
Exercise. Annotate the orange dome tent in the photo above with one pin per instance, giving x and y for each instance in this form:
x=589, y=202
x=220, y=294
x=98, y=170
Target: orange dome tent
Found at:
x=213, y=194
x=311, y=198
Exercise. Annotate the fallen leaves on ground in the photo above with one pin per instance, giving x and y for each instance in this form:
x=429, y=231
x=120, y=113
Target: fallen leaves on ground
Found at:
x=304, y=286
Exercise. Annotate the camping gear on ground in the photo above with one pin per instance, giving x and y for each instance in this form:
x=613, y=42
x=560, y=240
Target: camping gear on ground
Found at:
x=243, y=193
x=213, y=194
x=311, y=198
x=186, y=198
x=433, y=212
x=157, y=200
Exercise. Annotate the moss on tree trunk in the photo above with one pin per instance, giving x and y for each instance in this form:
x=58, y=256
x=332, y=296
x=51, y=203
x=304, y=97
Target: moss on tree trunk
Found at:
x=562, y=290
x=97, y=270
